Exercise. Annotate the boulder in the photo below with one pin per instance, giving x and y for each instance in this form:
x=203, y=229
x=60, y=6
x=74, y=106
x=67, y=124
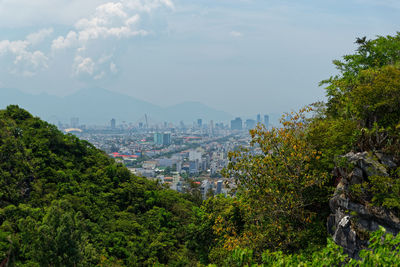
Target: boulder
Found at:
x=351, y=221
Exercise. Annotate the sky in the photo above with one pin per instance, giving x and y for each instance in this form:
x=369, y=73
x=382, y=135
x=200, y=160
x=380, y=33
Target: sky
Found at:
x=241, y=56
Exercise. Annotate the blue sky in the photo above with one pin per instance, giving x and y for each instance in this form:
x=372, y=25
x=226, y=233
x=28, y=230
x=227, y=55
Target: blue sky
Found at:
x=241, y=56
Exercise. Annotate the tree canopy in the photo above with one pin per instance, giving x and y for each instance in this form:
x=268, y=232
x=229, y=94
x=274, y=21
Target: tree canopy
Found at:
x=65, y=203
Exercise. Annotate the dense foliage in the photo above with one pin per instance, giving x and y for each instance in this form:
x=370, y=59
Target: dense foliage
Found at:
x=283, y=190
x=65, y=203
x=382, y=251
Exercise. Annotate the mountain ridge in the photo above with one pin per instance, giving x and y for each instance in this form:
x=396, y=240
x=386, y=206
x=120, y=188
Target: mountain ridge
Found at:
x=99, y=106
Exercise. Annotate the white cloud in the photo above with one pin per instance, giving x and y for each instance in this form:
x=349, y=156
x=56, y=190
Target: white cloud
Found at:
x=132, y=20
x=236, y=34
x=112, y=19
x=14, y=47
x=34, y=60
x=111, y=10
x=83, y=66
x=38, y=37
x=86, y=67
x=108, y=23
x=113, y=68
x=25, y=61
x=62, y=42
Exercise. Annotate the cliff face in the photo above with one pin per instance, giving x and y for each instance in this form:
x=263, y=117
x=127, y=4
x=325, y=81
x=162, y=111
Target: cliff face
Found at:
x=352, y=219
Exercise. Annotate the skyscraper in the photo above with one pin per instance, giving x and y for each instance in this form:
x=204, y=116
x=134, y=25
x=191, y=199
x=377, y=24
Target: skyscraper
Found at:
x=158, y=139
x=250, y=124
x=266, y=121
x=113, y=122
x=219, y=187
x=166, y=139
x=258, y=118
x=199, y=123
x=236, y=124
x=163, y=139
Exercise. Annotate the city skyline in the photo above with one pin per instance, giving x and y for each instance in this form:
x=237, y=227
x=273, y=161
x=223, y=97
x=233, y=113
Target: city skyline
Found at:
x=242, y=57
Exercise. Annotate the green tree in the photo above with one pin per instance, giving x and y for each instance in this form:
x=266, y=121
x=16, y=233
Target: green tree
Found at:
x=282, y=187
x=370, y=54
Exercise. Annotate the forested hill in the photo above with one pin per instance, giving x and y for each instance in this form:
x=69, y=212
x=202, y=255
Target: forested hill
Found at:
x=321, y=191
x=65, y=203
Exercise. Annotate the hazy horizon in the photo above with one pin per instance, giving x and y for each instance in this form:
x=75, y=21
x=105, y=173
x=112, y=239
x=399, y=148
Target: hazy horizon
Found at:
x=243, y=57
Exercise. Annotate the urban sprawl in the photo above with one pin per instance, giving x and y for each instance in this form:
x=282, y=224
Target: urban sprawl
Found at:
x=183, y=158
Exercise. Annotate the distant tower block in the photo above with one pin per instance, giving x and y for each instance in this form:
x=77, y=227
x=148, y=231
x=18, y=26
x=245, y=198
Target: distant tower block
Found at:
x=266, y=121
x=236, y=124
x=258, y=118
x=113, y=122
x=250, y=124
x=74, y=122
x=199, y=123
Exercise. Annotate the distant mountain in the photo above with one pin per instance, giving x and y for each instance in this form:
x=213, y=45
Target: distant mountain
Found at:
x=98, y=106
x=189, y=111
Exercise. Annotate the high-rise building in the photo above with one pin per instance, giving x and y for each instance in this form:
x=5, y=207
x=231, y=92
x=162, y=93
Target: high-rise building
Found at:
x=163, y=139
x=219, y=187
x=158, y=139
x=266, y=121
x=199, y=123
x=74, y=122
x=258, y=118
x=250, y=124
x=211, y=127
x=193, y=167
x=113, y=122
x=236, y=124
x=166, y=139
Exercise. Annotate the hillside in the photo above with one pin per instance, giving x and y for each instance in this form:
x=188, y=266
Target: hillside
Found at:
x=322, y=190
x=65, y=203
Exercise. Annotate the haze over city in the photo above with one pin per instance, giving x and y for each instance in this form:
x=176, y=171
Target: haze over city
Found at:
x=241, y=57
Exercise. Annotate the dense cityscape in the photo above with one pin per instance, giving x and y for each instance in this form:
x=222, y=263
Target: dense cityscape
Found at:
x=183, y=158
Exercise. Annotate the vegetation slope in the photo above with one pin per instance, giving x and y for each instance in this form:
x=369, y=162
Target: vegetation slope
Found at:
x=65, y=203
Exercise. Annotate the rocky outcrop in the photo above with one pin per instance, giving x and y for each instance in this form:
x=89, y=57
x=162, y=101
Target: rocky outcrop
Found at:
x=352, y=220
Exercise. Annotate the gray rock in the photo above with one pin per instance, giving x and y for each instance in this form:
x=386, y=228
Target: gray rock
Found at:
x=346, y=237
x=350, y=220
x=367, y=163
x=356, y=176
x=387, y=160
